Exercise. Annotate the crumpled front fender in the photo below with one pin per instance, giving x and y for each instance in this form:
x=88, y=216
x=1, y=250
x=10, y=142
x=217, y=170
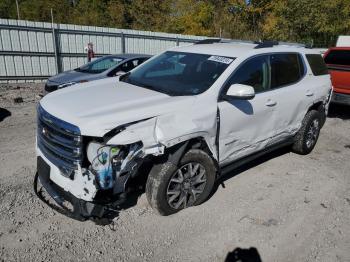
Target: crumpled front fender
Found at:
x=158, y=133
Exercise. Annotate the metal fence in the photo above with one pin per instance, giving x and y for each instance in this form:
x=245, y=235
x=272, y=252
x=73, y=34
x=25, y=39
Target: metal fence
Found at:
x=33, y=51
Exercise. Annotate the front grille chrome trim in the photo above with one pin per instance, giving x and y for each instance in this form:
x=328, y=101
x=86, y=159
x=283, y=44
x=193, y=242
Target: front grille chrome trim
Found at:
x=60, y=142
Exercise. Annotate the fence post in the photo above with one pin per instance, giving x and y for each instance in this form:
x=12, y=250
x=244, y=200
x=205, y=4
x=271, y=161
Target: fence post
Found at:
x=122, y=39
x=55, y=45
x=56, y=51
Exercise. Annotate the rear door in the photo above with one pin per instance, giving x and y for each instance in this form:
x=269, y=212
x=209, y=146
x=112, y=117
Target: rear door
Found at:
x=338, y=62
x=291, y=94
x=319, y=79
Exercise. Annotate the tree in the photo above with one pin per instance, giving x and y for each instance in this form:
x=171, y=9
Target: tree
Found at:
x=309, y=21
x=319, y=22
x=149, y=15
x=90, y=12
x=192, y=17
x=8, y=9
x=119, y=14
x=40, y=10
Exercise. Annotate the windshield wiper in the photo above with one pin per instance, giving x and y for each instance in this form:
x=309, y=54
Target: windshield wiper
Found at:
x=125, y=78
x=148, y=87
x=160, y=90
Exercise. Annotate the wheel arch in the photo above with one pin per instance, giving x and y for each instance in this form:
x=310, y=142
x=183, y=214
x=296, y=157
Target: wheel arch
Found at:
x=316, y=106
x=320, y=107
x=175, y=152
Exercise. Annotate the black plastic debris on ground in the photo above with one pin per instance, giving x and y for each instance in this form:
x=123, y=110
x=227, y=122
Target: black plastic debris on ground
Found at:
x=243, y=255
x=324, y=205
x=18, y=100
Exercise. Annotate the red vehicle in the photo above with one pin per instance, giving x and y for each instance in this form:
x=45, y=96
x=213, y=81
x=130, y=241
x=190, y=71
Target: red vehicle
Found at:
x=338, y=63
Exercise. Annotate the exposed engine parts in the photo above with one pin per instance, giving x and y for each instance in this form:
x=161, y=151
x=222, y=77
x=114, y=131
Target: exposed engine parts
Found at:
x=112, y=165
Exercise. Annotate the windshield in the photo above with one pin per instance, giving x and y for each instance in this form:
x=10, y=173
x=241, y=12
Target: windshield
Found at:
x=99, y=65
x=177, y=73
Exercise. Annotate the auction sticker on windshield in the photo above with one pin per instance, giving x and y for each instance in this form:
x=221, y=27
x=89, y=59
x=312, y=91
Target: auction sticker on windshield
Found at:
x=221, y=59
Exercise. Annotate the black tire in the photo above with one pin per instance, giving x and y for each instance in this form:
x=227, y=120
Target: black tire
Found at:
x=161, y=175
x=307, y=136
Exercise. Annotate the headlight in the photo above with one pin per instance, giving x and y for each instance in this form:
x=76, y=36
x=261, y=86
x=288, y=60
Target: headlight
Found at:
x=66, y=84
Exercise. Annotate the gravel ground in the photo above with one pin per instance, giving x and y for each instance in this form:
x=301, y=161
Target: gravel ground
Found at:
x=283, y=207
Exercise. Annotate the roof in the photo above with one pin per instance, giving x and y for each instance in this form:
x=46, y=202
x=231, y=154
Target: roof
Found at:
x=237, y=49
x=128, y=56
x=221, y=49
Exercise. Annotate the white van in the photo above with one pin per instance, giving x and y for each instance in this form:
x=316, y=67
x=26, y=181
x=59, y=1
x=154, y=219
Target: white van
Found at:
x=343, y=41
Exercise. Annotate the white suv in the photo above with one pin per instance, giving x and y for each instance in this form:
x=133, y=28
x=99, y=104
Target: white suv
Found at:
x=190, y=114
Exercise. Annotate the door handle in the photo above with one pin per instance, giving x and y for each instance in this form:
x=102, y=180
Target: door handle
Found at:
x=271, y=103
x=309, y=93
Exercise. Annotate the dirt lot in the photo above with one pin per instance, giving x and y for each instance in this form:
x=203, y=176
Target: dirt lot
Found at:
x=288, y=207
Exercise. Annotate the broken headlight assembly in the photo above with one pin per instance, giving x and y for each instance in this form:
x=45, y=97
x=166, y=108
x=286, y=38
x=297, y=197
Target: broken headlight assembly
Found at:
x=109, y=163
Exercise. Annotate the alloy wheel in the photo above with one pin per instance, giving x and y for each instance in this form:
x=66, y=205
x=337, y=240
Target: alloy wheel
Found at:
x=186, y=185
x=312, y=134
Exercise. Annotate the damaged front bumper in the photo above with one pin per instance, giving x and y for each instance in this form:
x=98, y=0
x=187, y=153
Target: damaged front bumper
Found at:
x=84, y=195
x=65, y=202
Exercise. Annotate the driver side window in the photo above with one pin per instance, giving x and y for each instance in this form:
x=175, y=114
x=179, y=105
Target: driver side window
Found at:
x=254, y=72
x=127, y=66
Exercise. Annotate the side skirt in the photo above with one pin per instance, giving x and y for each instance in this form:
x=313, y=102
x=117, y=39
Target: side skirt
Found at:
x=246, y=159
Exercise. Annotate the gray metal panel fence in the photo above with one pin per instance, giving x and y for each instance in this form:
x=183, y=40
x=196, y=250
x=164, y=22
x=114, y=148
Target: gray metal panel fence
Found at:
x=33, y=51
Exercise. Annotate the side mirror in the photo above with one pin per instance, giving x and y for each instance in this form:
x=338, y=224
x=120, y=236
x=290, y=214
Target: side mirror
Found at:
x=119, y=73
x=239, y=91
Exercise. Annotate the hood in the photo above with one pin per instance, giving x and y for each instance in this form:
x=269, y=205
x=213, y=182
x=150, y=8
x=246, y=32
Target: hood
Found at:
x=73, y=76
x=99, y=106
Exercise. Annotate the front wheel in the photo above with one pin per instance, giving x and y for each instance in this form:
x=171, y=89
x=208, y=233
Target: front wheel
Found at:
x=171, y=188
x=307, y=136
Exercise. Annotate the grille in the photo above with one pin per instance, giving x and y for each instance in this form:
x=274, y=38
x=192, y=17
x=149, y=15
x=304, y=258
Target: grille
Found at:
x=60, y=142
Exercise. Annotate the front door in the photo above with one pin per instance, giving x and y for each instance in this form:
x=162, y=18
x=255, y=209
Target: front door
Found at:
x=247, y=126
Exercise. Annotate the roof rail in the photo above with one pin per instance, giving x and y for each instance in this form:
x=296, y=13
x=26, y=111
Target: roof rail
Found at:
x=208, y=41
x=242, y=41
x=260, y=44
x=220, y=40
x=266, y=44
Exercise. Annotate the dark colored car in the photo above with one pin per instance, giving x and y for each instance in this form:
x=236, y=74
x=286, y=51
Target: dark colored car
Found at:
x=107, y=66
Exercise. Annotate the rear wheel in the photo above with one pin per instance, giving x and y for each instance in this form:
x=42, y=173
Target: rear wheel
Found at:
x=306, y=138
x=171, y=188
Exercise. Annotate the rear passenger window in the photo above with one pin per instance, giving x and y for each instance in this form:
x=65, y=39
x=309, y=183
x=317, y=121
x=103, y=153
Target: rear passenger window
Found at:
x=317, y=64
x=338, y=57
x=286, y=69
